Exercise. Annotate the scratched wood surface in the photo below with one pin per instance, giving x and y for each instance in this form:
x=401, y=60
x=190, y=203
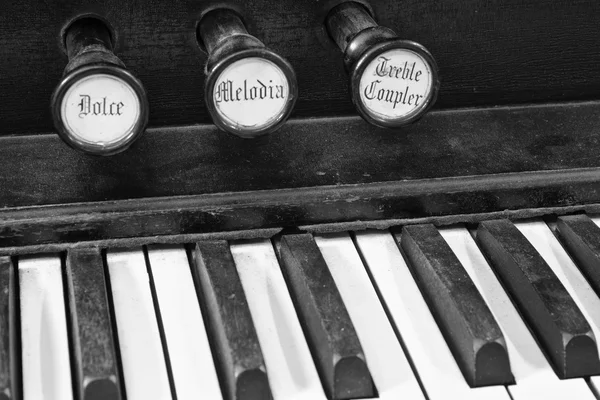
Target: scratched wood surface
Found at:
x=453, y=166
x=200, y=160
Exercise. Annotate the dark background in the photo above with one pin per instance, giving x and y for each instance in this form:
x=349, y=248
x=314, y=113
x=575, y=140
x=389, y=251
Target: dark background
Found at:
x=489, y=52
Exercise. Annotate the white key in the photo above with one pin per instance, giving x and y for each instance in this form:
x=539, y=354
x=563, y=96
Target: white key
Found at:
x=428, y=350
x=144, y=367
x=385, y=358
x=544, y=241
x=290, y=368
x=534, y=376
x=44, y=340
x=189, y=352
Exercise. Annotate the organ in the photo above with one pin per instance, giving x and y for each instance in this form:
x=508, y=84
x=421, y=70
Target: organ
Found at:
x=327, y=258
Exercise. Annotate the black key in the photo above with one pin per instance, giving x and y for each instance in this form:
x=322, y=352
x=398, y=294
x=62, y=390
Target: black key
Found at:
x=581, y=237
x=337, y=351
x=240, y=361
x=467, y=323
x=541, y=298
x=96, y=374
x=9, y=364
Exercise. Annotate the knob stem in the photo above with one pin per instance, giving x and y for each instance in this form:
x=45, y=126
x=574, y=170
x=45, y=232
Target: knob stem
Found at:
x=85, y=33
x=88, y=41
x=353, y=29
x=218, y=26
x=223, y=33
x=346, y=20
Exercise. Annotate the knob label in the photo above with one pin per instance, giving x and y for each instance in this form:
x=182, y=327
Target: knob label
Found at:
x=100, y=109
x=247, y=91
x=87, y=106
x=396, y=84
x=251, y=93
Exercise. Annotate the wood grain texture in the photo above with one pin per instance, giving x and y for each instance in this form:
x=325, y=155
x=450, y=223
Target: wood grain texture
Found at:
x=196, y=160
x=192, y=180
x=489, y=52
x=470, y=329
x=336, y=349
x=239, y=359
x=96, y=371
x=543, y=301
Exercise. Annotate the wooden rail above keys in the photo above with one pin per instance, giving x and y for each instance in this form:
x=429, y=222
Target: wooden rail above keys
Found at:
x=453, y=166
x=338, y=174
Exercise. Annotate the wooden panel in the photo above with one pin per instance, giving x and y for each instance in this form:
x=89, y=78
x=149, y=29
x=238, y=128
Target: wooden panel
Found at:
x=186, y=219
x=489, y=52
x=521, y=161
x=195, y=160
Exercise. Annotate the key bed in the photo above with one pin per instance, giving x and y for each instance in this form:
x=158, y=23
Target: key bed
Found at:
x=249, y=320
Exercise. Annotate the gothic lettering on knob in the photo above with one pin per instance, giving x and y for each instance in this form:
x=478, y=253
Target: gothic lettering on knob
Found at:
x=396, y=83
x=231, y=91
x=395, y=97
x=404, y=72
x=103, y=106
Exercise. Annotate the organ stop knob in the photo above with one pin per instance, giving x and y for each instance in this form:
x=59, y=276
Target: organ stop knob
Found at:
x=99, y=107
x=393, y=82
x=250, y=89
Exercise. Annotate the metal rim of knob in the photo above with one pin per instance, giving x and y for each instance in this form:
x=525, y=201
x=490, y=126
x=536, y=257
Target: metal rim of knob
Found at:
x=368, y=57
x=269, y=56
x=102, y=149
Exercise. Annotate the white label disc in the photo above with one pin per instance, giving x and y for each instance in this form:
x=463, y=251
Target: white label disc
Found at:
x=251, y=93
x=396, y=84
x=100, y=109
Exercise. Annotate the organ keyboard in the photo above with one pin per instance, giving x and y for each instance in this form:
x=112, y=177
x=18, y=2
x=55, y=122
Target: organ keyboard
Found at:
x=326, y=316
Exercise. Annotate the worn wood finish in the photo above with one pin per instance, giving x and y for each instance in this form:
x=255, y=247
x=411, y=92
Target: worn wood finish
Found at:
x=581, y=237
x=467, y=323
x=96, y=371
x=489, y=52
x=542, y=300
x=329, y=331
x=196, y=160
x=176, y=220
x=239, y=359
x=193, y=180
x=9, y=347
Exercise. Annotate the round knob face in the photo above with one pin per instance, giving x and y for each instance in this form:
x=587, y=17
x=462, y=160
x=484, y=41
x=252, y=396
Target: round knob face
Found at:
x=393, y=86
x=251, y=96
x=100, y=111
